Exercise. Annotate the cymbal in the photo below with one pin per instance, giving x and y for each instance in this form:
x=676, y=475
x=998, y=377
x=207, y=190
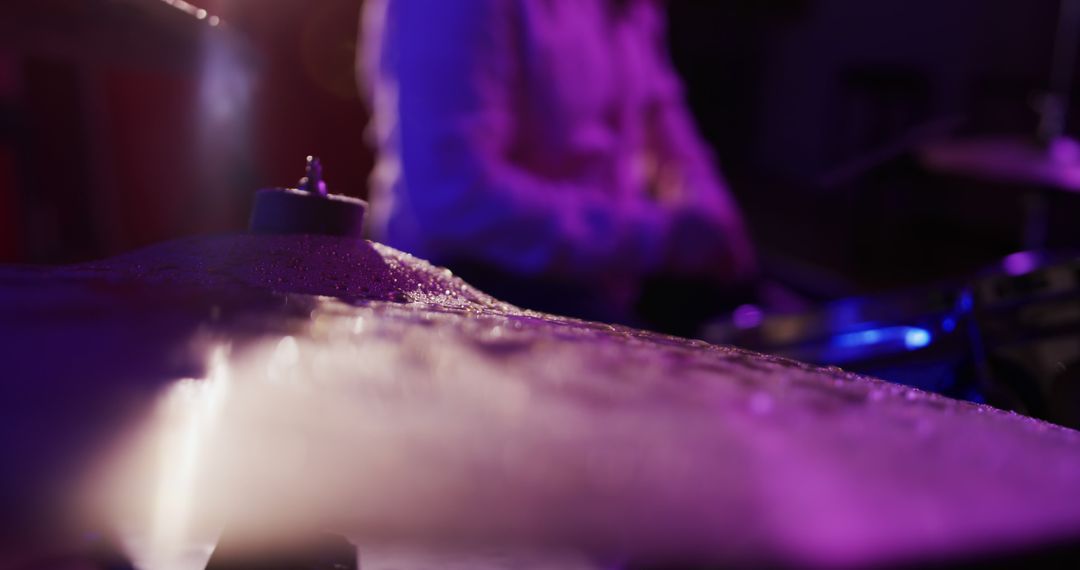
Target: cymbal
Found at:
x=275, y=384
x=1009, y=160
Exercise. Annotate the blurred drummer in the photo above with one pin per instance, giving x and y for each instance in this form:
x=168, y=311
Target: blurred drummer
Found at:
x=542, y=149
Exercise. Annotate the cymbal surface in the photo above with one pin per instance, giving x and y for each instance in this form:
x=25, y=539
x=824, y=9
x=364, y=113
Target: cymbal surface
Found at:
x=278, y=384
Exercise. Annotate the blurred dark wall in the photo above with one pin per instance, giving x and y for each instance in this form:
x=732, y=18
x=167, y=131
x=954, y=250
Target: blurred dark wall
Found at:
x=795, y=87
x=306, y=100
x=128, y=122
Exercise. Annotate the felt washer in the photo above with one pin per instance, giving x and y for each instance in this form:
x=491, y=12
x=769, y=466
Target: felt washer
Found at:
x=308, y=209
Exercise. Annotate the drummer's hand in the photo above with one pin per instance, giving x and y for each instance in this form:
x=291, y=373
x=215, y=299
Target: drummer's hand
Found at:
x=710, y=242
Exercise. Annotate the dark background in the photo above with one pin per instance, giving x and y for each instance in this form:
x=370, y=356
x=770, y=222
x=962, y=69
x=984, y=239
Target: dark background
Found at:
x=127, y=122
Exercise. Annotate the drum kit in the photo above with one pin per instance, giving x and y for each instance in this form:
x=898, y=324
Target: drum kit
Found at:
x=1010, y=337
x=1011, y=334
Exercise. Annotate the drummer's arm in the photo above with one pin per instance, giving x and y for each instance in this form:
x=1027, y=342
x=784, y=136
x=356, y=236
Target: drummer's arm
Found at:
x=456, y=73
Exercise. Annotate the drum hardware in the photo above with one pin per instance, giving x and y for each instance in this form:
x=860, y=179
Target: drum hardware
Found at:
x=1046, y=161
x=1010, y=336
x=308, y=209
x=323, y=552
x=1028, y=334
x=856, y=323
